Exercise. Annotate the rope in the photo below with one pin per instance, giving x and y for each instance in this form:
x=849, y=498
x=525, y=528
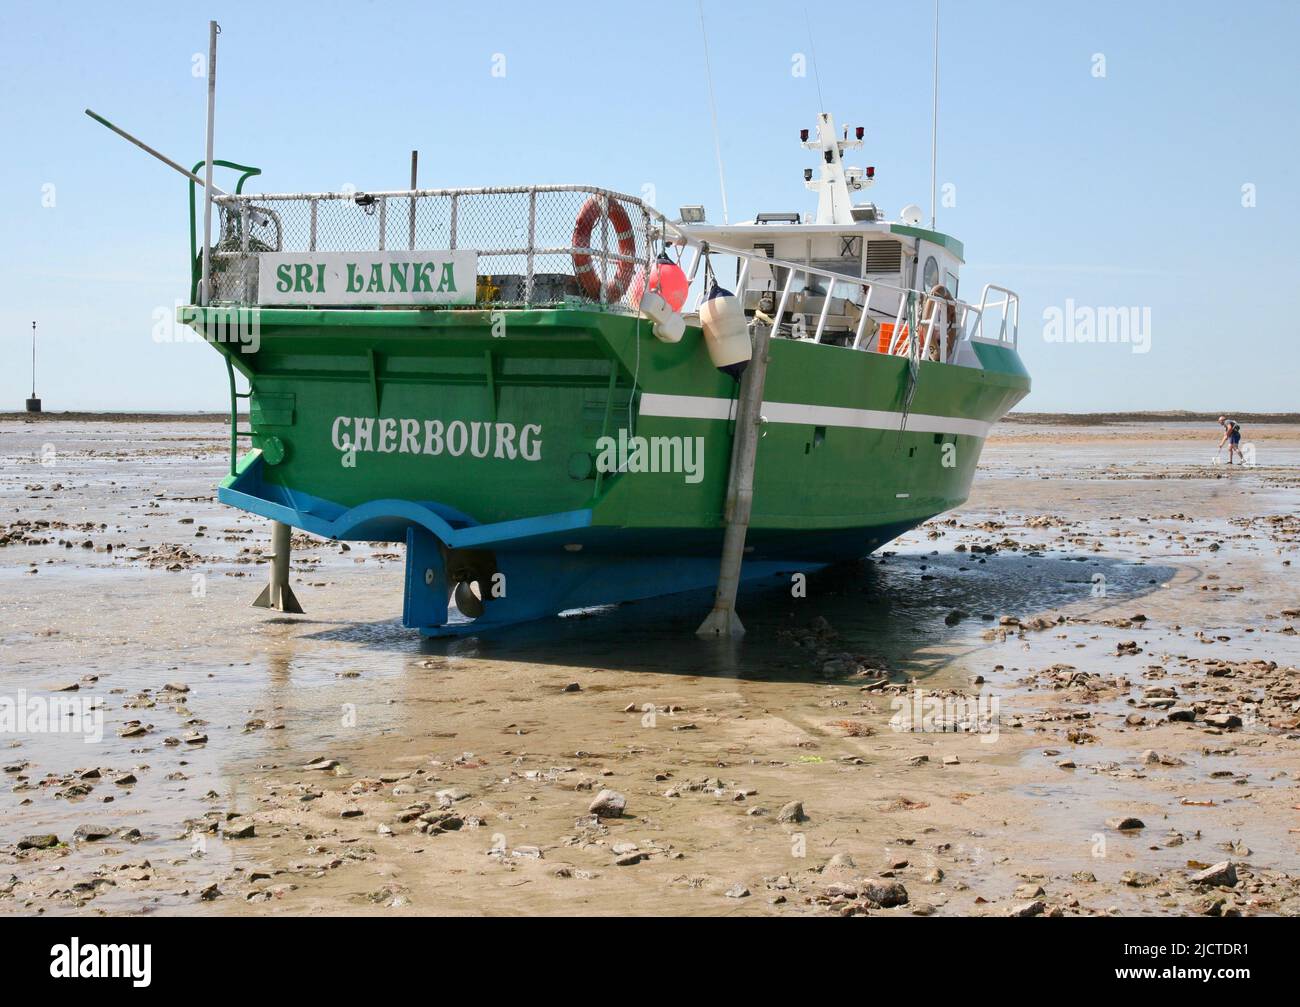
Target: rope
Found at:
x=913, y=367
x=636, y=372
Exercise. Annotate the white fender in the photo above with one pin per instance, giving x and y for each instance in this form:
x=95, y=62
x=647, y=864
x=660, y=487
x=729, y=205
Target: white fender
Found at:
x=725, y=332
x=669, y=324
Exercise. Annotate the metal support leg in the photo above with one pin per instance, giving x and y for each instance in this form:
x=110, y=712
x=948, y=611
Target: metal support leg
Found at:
x=424, y=605
x=277, y=594
x=723, y=621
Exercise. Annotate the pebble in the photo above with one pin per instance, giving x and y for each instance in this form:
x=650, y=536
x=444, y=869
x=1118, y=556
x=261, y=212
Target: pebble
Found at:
x=885, y=894
x=608, y=804
x=1223, y=873
x=1138, y=879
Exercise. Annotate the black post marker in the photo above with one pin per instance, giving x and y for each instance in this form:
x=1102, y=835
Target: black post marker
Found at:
x=33, y=404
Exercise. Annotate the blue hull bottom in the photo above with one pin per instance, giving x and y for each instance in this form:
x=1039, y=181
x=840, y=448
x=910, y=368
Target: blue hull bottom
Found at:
x=536, y=567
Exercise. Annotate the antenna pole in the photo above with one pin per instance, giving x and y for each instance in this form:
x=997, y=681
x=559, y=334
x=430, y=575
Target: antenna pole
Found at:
x=934, y=120
x=149, y=150
x=205, y=291
x=33, y=360
x=713, y=111
x=812, y=51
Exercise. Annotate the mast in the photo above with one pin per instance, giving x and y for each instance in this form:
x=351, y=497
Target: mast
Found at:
x=832, y=187
x=713, y=112
x=205, y=292
x=934, y=119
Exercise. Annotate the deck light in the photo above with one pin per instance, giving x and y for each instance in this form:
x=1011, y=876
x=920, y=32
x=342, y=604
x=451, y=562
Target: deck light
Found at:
x=693, y=214
x=803, y=135
x=859, y=131
x=830, y=156
x=807, y=174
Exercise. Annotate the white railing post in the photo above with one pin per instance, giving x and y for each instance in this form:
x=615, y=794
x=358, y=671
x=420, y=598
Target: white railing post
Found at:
x=605, y=247
x=742, y=281
x=929, y=331
x=785, y=297
x=532, y=245
x=826, y=310
x=898, y=326
x=862, y=322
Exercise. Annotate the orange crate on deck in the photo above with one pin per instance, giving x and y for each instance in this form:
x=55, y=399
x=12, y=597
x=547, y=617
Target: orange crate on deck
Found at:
x=887, y=336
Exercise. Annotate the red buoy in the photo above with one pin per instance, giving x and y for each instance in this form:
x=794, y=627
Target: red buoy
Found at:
x=667, y=278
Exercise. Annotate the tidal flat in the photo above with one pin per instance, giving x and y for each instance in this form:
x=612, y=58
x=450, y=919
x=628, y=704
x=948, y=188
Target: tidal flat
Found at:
x=1077, y=694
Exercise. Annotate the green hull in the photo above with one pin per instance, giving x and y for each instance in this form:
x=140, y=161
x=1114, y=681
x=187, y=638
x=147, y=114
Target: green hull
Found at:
x=490, y=417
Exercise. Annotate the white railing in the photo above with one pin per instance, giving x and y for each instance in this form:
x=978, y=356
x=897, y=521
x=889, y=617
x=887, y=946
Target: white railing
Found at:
x=1010, y=316
x=524, y=237
x=969, y=323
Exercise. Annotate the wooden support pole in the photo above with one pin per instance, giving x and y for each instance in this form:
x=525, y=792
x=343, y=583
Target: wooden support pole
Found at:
x=723, y=621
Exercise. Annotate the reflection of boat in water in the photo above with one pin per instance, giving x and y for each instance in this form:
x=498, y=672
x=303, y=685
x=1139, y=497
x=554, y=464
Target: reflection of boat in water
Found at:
x=504, y=380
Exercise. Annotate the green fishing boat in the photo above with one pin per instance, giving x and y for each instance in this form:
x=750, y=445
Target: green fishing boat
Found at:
x=556, y=397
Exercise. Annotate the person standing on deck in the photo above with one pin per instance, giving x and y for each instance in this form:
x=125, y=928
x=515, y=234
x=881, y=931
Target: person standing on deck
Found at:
x=1231, y=437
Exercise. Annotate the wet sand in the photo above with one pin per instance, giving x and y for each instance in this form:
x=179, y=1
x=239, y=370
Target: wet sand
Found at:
x=1115, y=613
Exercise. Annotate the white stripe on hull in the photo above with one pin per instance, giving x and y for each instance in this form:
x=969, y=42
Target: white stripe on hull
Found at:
x=703, y=407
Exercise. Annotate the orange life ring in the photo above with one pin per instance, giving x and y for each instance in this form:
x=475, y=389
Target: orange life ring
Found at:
x=592, y=210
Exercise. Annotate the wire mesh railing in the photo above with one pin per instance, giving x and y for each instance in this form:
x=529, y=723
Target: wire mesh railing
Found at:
x=535, y=245
x=546, y=246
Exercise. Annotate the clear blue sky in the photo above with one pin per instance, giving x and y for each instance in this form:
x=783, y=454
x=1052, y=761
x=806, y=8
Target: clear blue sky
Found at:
x=1117, y=191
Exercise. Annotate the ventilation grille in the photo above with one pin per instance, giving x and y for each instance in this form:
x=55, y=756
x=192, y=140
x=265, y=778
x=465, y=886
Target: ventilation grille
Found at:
x=884, y=256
